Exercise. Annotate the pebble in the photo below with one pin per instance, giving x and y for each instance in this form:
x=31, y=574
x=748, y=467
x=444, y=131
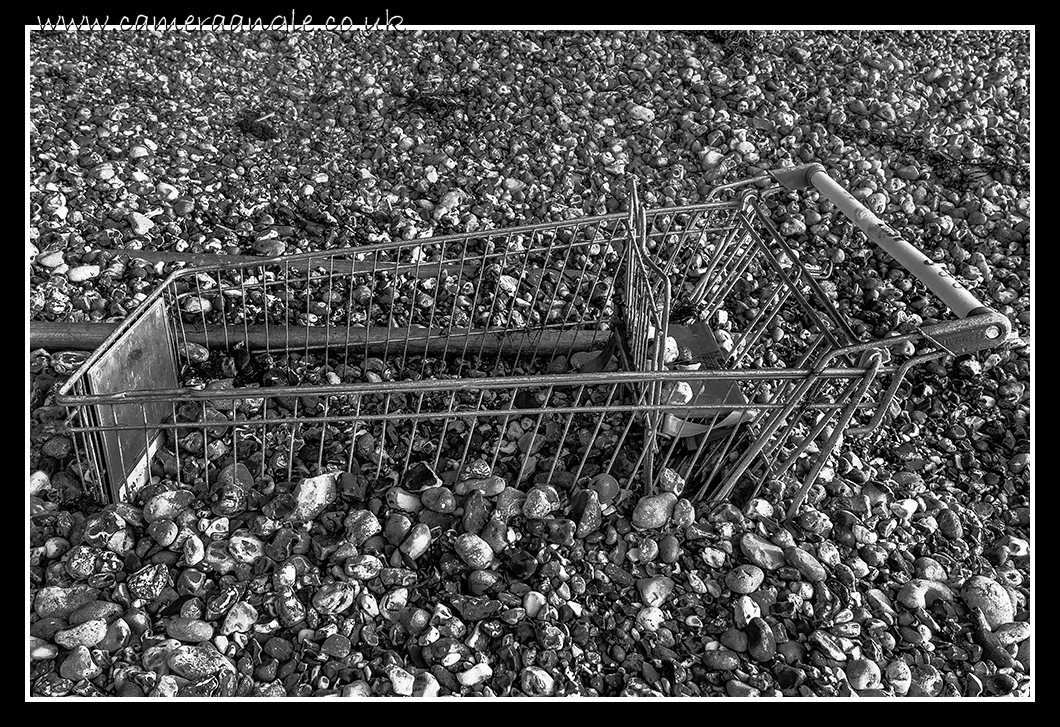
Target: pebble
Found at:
x=41, y=650
x=899, y=676
x=587, y=512
x=863, y=674
x=925, y=681
x=244, y=547
x=335, y=598
x=163, y=532
x=744, y=578
x=80, y=665
x=654, y=511
x=81, y=273
x=950, y=525
x=654, y=591
x=103, y=610
x=139, y=224
x=650, y=618
x=88, y=633
x=999, y=684
x=401, y=682
x=606, y=487
x=1013, y=633
x=52, y=259
x=930, y=569
x=789, y=677
x=641, y=114
x=60, y=601
x=922, y=593
x=240, y=619
x=426, y=685
x=713, y=557
x=990, y=596
x=734, y=639
x=828, y=645
x=438, y=499
x=536, y=682
x=417, y=542
x=740, y=690
x=537, y=504
x=167, y=505
x=762, y=552
x=167, y=191
x=197, y=662
x=761, y=641
x=359, y=689
x=721, y=660
x=190, y=630
x=475, y=675
x=744, y=610
x=473, y=550
x=810, y=568
x=669, y=548
x=312, y=495
x=488, y=486
x=360, y=526
x=533, y=602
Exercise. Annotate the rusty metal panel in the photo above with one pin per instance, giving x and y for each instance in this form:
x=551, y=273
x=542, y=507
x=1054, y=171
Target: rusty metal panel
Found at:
x=143, y=359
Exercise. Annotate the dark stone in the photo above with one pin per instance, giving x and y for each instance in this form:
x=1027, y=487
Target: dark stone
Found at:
x=788, y=677
x=606, y=487
x=336, y=646
x=353, y=486
x=438, y=499
x=280, y=648
x=445, y=678
x=266, y=671
x=619, y=576
x=761, y=643
x=950, y=524
x=476, y=609
x=669, y=549
x=420, y=476
x=734, y=639
x=476, y=513
x=999, y=684
x=560, y=531
x=519, y=563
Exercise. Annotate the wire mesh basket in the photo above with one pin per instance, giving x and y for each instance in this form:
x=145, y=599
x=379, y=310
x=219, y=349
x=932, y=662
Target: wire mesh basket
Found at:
x=685, y=343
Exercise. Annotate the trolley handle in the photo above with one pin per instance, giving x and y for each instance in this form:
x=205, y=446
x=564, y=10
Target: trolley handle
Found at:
x=982, y=328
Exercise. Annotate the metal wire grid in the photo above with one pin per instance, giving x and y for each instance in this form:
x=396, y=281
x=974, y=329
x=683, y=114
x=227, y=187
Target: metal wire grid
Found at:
x=339, y=308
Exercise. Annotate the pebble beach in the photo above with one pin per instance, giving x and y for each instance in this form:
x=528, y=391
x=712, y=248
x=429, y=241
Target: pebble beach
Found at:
x=906, y=572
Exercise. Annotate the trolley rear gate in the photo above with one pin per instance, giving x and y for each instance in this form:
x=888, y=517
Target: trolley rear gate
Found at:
x=691, y=339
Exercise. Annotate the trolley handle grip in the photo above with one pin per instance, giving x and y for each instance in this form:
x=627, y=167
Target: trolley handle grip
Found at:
x=992, y=327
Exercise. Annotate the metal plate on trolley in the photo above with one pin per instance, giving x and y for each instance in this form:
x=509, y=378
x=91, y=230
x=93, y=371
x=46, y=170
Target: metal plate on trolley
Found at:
x=706, y=351
x=141, y=359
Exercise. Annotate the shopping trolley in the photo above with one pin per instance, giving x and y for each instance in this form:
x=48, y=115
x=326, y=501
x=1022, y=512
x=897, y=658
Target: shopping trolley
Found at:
x=690, y=344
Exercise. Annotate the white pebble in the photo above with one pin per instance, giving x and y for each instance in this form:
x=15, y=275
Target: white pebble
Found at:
x=650, y=618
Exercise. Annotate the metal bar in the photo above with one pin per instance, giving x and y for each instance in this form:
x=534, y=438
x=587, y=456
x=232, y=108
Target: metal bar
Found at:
x=933, y=275
x=506, y=382
x=821, y=297
x=837, y=432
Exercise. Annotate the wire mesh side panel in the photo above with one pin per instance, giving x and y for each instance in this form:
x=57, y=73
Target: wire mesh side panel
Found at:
x=552, y=428
x=498, y=298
